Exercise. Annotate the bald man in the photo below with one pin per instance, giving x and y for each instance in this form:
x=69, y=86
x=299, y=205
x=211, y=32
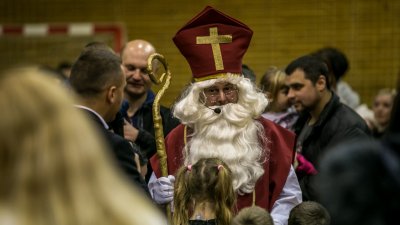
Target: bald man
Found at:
x=137, y=108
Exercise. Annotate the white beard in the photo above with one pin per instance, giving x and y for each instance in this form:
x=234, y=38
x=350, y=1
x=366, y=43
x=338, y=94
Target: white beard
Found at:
x=232, y=137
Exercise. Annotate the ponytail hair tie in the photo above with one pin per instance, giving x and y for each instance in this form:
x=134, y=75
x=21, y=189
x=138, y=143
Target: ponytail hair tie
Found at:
x=189, y=167
x=220, y=166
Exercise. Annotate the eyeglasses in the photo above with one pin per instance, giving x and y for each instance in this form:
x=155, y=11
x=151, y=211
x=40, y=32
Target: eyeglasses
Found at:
x=213, y=92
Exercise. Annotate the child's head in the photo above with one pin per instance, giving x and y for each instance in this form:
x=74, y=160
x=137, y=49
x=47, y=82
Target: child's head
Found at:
x=253, y=216
x=309, y=213
x=209, y=180
x=273, y=84
x=382, y=106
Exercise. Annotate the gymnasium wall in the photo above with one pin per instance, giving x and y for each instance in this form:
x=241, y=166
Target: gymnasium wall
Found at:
x=368, y=31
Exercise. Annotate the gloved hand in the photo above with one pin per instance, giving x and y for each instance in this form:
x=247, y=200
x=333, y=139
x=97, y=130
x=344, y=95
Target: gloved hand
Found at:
x=162, y=189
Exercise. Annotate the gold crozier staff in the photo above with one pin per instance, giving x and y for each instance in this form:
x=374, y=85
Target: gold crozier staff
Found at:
x=158, y=127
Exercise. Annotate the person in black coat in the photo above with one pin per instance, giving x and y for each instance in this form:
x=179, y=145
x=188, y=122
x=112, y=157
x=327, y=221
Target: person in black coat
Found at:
x=325, y=121
x=358, y=182
x=97, y=79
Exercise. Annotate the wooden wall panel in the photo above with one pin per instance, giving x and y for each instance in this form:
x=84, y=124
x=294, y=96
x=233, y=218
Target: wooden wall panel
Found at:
x=367, y=31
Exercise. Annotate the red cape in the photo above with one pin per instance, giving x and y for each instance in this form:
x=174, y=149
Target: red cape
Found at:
x=276, y=168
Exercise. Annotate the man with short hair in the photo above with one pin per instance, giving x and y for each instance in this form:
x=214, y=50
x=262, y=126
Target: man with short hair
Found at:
x=325, y=121
x=309, y=213
x=137, y=109
x=220, y=114
x=97, y=79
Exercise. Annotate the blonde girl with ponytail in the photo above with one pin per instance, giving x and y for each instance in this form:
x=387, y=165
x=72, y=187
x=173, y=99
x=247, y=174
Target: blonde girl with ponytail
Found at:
x=204, y=194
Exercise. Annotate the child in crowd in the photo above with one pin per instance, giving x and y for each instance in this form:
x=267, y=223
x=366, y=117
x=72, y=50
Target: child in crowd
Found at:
x=279, y=109
x=253, y=215
x=382, y=108
x=309, y=213
x=204, y=194
x=378, y=117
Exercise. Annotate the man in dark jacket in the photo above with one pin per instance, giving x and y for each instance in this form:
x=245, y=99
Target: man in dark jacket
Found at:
x=97, y=79
x=137, y=109
x=325, y=121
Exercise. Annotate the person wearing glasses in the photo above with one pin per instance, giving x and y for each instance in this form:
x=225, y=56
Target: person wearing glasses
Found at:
x=220, y=114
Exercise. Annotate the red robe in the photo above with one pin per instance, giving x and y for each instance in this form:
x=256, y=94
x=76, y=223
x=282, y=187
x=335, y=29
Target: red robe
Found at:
x=276, y=168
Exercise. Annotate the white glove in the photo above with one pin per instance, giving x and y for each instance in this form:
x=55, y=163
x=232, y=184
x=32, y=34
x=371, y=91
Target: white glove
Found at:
x=162, y=189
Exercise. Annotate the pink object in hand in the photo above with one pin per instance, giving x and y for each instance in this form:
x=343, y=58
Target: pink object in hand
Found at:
x=304, y=166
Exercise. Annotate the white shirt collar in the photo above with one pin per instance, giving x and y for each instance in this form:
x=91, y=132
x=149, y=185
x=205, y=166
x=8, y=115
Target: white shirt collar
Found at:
x=95, y=113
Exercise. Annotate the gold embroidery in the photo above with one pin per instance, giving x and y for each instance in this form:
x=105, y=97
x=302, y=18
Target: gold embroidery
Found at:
x=214, y=39
x=184, y=135
x=217, y=76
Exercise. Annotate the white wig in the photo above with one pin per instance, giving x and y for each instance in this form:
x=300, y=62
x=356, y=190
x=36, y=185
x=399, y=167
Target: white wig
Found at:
x=234, y=135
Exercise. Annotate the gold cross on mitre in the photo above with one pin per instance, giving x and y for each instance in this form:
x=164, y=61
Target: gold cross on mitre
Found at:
x=214, y=39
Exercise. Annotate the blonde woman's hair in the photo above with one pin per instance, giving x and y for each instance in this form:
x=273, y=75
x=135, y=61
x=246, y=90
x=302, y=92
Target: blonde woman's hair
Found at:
x=387, y=91
x=54, y=170
x=209, y=180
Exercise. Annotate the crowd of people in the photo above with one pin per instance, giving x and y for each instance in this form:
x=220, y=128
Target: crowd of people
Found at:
x=297, y=149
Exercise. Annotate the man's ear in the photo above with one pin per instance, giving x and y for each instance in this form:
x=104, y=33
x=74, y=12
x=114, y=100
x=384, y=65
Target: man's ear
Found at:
x=321, y=83
x=111, y=94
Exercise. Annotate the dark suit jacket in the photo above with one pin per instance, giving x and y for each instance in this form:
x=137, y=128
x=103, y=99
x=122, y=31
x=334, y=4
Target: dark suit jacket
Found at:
x=122, y=150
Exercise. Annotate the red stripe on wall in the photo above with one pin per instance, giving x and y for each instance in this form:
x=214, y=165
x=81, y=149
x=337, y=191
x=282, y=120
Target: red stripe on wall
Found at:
x=58, y=29
x=12, y=29
x=116, y=32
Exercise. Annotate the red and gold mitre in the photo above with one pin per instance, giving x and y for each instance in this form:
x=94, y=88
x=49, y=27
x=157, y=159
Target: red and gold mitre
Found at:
x=213, y=44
